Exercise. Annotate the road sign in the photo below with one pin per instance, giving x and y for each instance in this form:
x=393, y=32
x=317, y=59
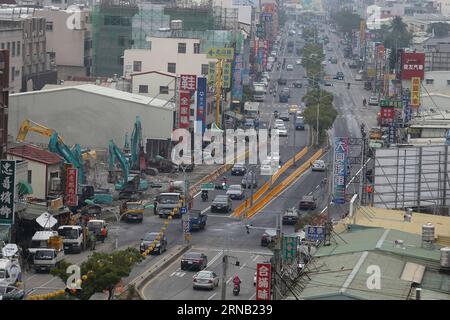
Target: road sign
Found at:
x=208, y=186
x=220, y=53
x=212, y=75
x=391, y=103
x=315, y=233
x=226, y=75
x=186, y=226
x=290, y=248
x=183, y=210
x=7, y=191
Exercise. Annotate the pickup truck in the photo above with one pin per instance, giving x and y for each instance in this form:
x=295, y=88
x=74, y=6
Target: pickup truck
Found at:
x=197, y=220
x=46, y=259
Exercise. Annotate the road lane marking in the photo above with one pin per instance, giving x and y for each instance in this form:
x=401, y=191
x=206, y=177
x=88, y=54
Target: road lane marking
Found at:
x=253, y=295
x=195, y=196
x=206, y=209
x=243, y=266
x=228, y=281
x=256, y=257
x=214, y=259
x=212, y=296
x=171, y=275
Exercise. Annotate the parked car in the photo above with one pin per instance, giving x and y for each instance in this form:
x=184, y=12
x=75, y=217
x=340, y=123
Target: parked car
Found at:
x=284, y=115
x=291, y=216
x=205, y=280
x=373, y=101
x=238, y=170
x=269, y=236
x=11, y=293
x=235, y=192
x=298, y=84
x=307, y=203
x=161, y=244
x=319, y=165
x=289, y=67
x=247, y=180
x=221, y=203
x=194, y=261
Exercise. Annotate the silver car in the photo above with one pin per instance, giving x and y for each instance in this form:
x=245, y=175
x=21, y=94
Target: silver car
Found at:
x=205, y=279
x=235, y=192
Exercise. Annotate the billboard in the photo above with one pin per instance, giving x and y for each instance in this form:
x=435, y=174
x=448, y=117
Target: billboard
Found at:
x=415, y=92
x=290, y=249
x=188, y=82
x=413, y=65
x=71, y=187
x=314, y=233
x=7, y=191
x=185, y=109
x=237, y=88
x=263, y=281
x=387, y=115
x=340, y=169
x=201, y=101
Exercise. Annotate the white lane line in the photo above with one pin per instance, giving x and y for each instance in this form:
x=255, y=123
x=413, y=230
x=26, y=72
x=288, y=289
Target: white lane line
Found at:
x=253, y=295
x=243, y=266
x=212, y=296
x=216, y=215
x=256, y=257
x=171, y=275
x=43, y=285
x=228, y=281
x=206, y=209
x=214, y=259
x=196, y=195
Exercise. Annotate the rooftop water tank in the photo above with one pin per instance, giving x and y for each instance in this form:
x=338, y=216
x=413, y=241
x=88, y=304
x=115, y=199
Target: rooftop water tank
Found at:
x=445, y=257
x=428, y=235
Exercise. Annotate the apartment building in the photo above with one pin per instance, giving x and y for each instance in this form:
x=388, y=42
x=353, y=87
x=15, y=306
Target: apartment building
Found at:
x=11, y=39
x=68, y=40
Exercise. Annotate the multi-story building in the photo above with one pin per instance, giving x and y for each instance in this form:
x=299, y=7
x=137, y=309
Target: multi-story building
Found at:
x=4, y=101
x=68, y=40
x=437, y=55
x=11, y=39
x=36, y=70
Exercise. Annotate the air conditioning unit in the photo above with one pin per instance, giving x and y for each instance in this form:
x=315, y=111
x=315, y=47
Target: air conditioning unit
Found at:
x=55, y=184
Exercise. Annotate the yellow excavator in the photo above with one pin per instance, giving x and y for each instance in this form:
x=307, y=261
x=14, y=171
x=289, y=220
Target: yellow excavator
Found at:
x=29, y=125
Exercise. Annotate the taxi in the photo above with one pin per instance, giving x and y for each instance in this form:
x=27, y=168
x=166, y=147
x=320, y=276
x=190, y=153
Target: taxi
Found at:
x=293, y=109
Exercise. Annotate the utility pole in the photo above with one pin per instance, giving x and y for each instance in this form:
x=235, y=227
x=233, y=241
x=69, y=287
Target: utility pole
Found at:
x=224, y=276
x=293, y=147
x=318, y=107
x=276, y=258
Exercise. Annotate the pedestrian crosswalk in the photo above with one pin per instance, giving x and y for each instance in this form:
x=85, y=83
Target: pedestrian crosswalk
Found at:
x=178, y=274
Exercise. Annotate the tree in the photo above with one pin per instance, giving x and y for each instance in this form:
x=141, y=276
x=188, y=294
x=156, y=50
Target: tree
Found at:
x=327, y=113
x=396, y=38
x=102, y=271
x=440, y=29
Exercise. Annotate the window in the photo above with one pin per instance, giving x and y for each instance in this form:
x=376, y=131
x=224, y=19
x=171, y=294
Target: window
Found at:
x=181, y=47
x=13, y=73
x=137, y=66
x=196, y=48
x=29, y=176
x=54, y=174
x=429, y=81
x=163, y=90
x=18, y=48
x=49, y=26
x=13, y=53
x=8, y=46
x=143, y=89
x=172, y=67
x=30, y=48
x=3, y=45
x=204, y=69
x=448, y=82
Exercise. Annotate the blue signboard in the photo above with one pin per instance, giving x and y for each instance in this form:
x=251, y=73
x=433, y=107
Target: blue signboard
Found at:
x=340, y=169
x=201, y=101
x=448, y=138
x=183, y=210
x=315, y=233
x=407, y=111
x=392, y=133
x=260, y=56
x=237, y=88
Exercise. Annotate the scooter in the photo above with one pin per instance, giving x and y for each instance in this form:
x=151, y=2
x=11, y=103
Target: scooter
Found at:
x=204, y=196
x=236, y=289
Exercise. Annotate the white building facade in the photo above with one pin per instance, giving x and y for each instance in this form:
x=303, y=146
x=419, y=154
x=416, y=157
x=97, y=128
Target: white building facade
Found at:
x=11, y=38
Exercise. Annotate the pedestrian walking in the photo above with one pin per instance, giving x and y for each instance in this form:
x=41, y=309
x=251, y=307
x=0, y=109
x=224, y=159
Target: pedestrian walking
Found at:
x=103, y=234
x=93, y=241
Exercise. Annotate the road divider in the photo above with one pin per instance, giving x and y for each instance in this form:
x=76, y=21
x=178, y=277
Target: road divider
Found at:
x=239, y=210
x=259, y=205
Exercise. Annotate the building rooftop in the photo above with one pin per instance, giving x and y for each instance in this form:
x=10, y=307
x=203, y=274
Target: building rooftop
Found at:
x=111, y=93
x=393, y=219
x=34, y=153
x=159, y=72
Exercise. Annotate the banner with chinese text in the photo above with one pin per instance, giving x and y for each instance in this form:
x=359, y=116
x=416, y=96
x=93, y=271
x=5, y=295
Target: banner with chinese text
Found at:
x=7, y=191
x=185, y=109
x=72, y=187
x=340, y=169
x=263, y=281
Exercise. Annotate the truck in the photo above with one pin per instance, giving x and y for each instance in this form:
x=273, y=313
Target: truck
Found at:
x=40, y=240
x=45, y=259
x=197, y=220
x=166, y=202
x=259, y=93
x=132, y=211
x=251, y=109
x=375, y=133
x=284, y=97
x=73, y=238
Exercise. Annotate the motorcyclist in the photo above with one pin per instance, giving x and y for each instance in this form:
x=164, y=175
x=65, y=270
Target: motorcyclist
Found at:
x=364, y=102
x=343, y=63
x=204, y=195
x=348, y=85
x=237, y=281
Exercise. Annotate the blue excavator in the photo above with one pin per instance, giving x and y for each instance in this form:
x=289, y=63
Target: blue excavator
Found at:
x=129, y=183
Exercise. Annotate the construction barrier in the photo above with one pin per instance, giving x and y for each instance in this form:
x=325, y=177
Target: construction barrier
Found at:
x=239, y=210
x=286, y=182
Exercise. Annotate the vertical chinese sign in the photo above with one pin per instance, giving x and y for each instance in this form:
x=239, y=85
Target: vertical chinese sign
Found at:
x=290, y=249
x=201, y=103
x=7, y=191
x=415, y=92
x=263, y=281
x=340, y=169
x=237, y=89
x=72, y=187
x=188, y=83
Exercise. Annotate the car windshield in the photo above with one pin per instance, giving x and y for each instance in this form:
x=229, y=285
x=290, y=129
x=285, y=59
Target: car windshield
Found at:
x=220, y=200
x=204, y=275
x=168, y=199
x=238, y=166
x=193, y=255
x=150, y=236
x=134, y=206
x=235, y=187
x=44, y=255
x=68, y=233
x=94, y=225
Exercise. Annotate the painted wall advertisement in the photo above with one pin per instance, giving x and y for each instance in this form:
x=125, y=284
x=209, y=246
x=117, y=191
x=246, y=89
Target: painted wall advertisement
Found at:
x=413, y=65
x=185, y=108
x=415, y=92
x=340, y=169
x=263, y=281
x=237, y=89
x=201, y=103
x=7, y=191
x=72, y=187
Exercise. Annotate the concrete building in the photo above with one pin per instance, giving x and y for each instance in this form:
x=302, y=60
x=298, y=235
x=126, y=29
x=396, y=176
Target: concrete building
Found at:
x=11, y=39
x=4, y=101
x=421, y=22
x=36, y=70
x=154, y=84
x=436, y=82
x=171, y=55
x=68, y=40
x=44, y=168
x=84, y=114
x=444, y=7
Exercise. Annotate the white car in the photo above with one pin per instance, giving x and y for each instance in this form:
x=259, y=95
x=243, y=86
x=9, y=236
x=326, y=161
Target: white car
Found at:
x=265, y=81
x=319, y=165
x=273, y=53
x=266, y=168
x=289, y=67
x=278, y=123
x=324, y=62
x=269, y=67
x=266, y=75
x=271, y=59
x=298, y=61
x=282, y=131
x=205, y=279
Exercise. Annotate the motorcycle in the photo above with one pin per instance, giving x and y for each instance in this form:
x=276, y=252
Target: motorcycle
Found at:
x=236, y=289
x=204, y=196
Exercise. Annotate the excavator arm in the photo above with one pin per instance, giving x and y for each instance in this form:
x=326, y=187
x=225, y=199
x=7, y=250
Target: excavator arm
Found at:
x=29, y=125
x=114, y=152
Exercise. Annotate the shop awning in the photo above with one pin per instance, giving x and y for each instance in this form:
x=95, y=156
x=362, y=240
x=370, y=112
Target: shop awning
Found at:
x=24, y=188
